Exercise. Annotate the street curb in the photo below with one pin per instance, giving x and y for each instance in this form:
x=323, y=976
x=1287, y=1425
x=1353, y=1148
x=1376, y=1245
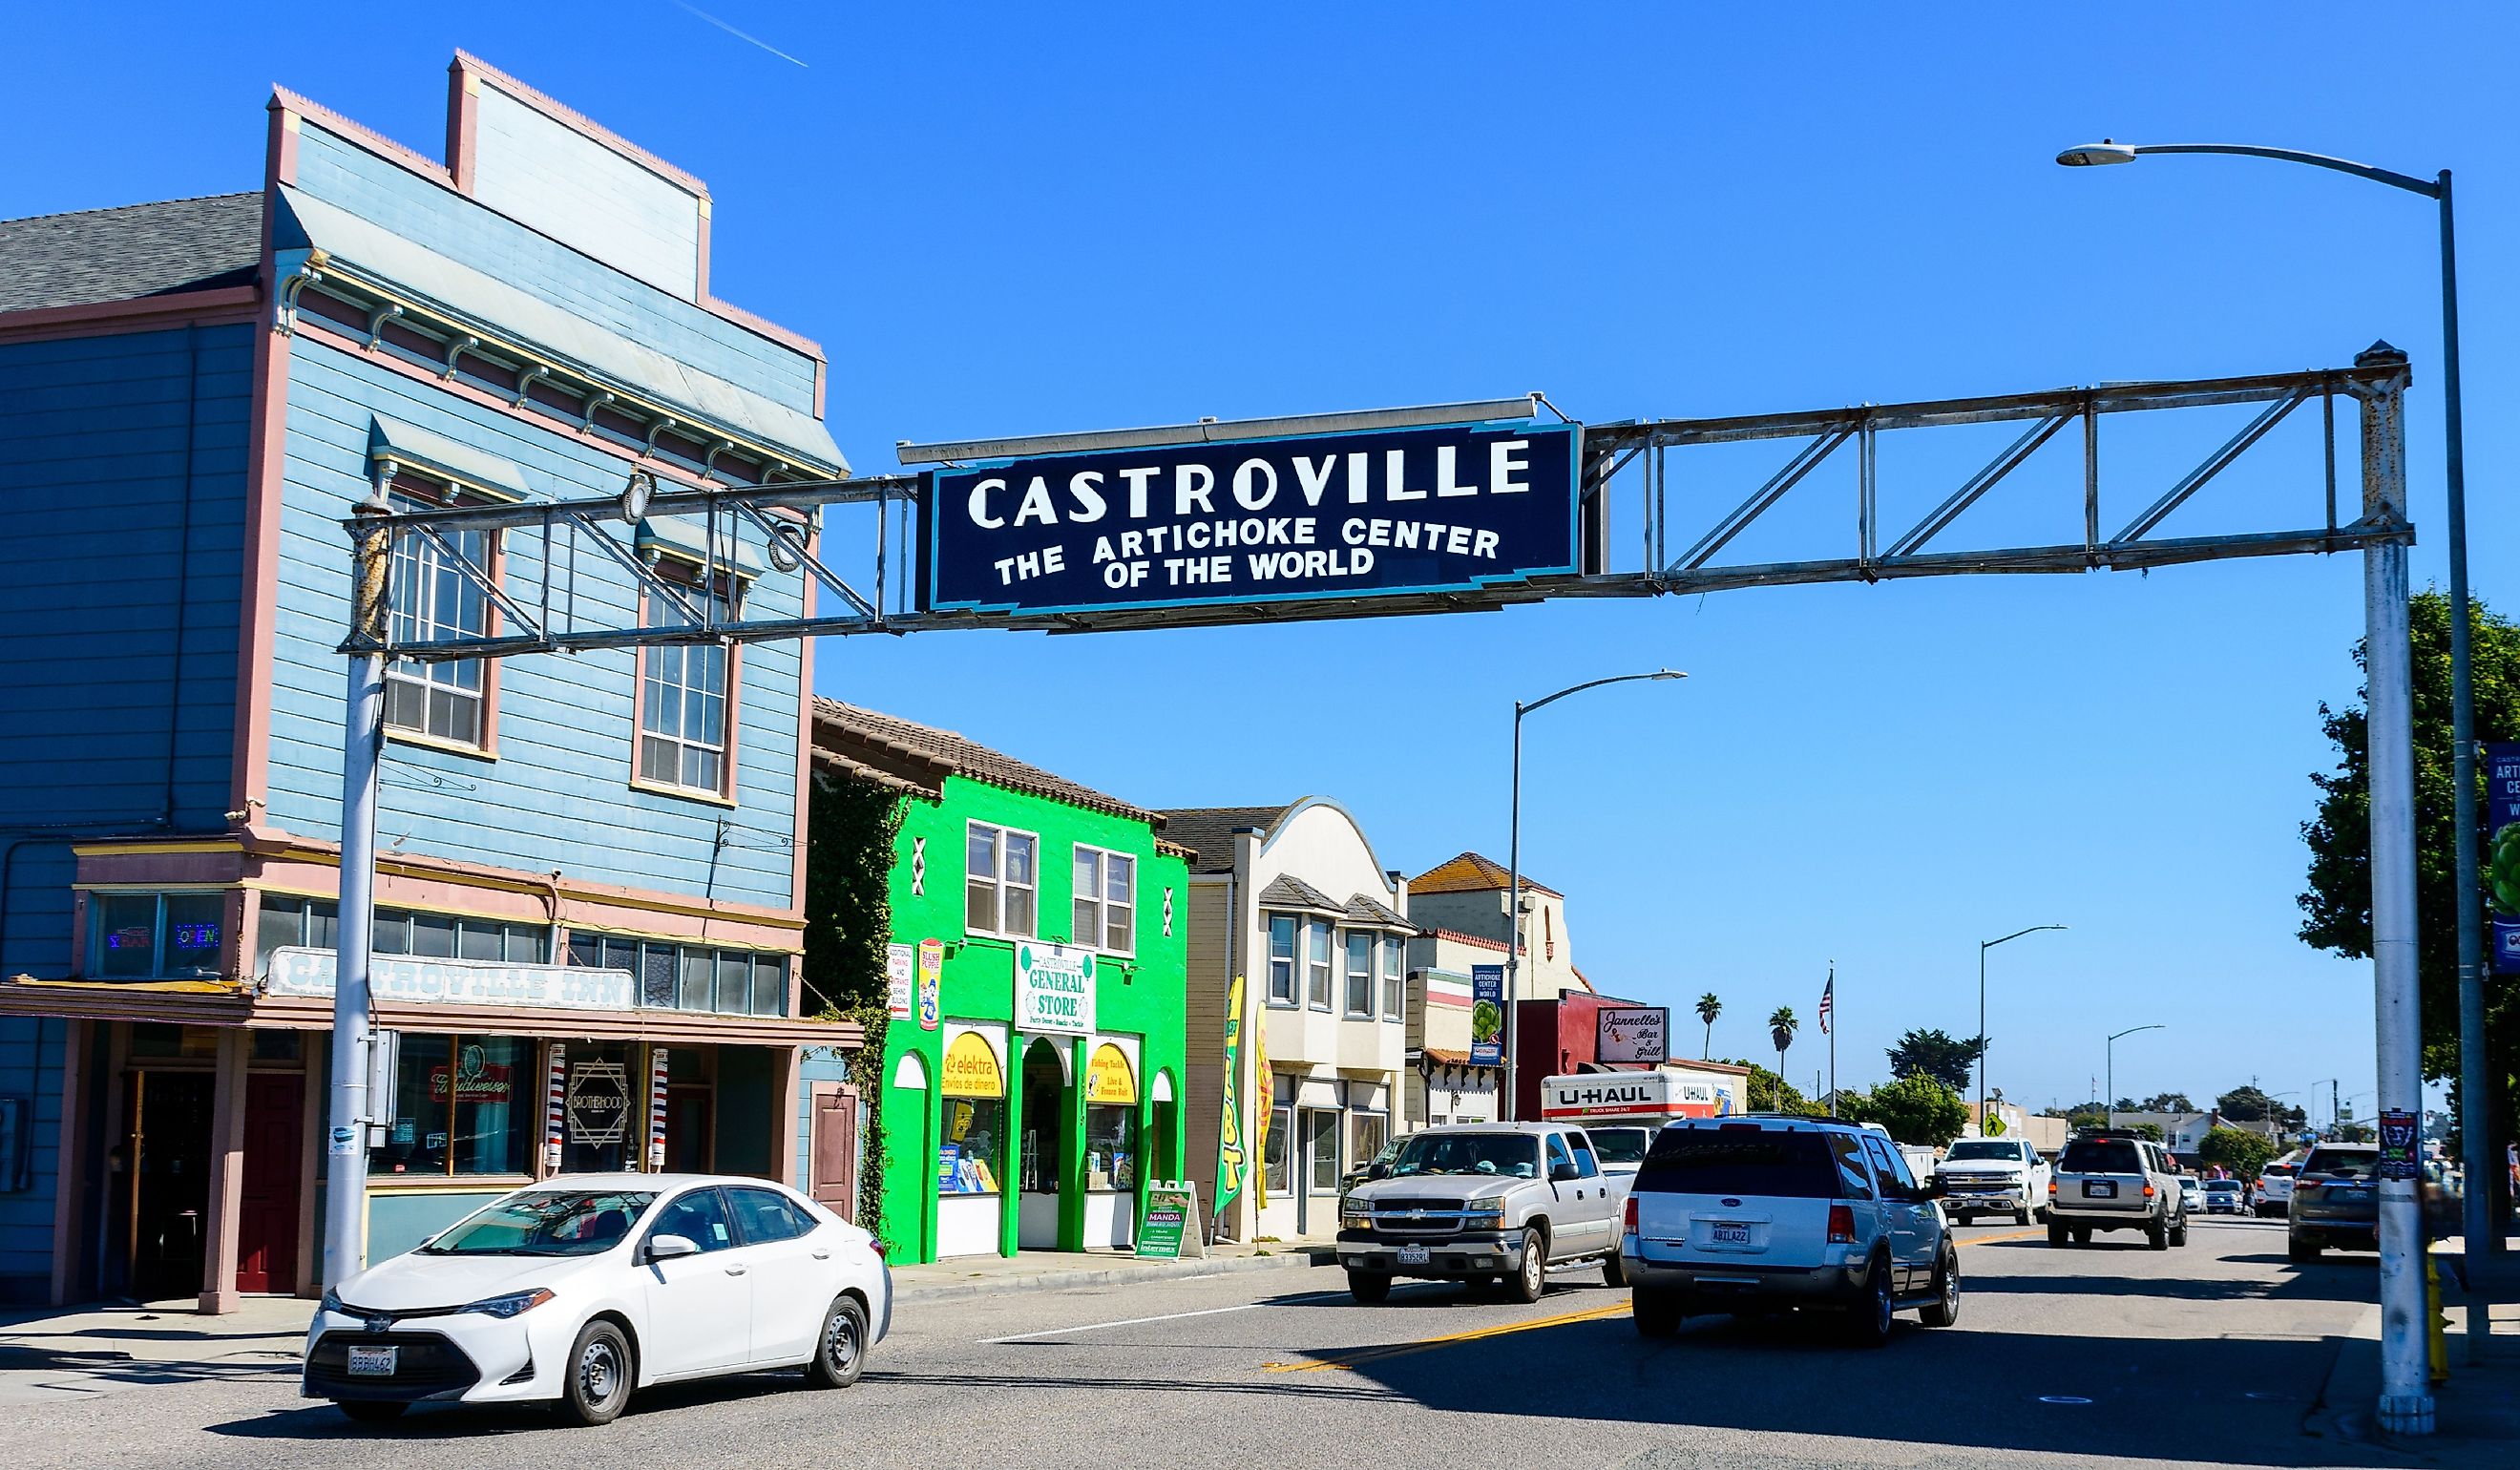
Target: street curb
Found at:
x=1114, y=1275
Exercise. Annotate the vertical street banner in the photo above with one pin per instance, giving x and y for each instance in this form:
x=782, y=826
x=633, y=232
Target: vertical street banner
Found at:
x=1264, y=1091
x=1228, y=1133
x=932, y=982
x=2503, y=866
x=1487, y=1015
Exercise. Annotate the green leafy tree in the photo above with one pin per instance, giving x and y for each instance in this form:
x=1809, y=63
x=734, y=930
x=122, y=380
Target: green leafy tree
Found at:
x=1771, y=1094
x=1781, y=1027
x=1916, y=1109
x=2337, y=905
x=2092, y=1116
x=2237, y=1149
x=2167, y=1102
x=1709, y=1006
x=1941, y=1056
x=2151, y=1131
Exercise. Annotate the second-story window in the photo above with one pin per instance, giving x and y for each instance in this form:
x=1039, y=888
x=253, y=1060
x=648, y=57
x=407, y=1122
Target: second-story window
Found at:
x=1105, y=900
x=1281, y=957
x=432, y=600
x=1394, y=948
x=684, y=692
x=1317, y=964
x=999, y=880
x=1359, y=973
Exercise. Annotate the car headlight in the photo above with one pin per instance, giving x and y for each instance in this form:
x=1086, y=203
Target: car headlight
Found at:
x=1484, y=1217
x=332, y=1303
x=513, y=1303
x=1354, y=1221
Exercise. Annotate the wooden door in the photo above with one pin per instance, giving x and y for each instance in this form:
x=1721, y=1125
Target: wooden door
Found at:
x=835, y=1148
x=267, y=1212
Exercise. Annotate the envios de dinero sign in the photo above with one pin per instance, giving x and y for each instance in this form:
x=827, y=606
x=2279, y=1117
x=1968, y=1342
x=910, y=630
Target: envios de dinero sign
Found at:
x=1438, y=507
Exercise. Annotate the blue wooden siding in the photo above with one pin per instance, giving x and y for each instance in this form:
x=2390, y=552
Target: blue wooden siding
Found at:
x=559, y=796
x=818, y=1065
x=433, y=216
x=31, y=1069
x=574, y=189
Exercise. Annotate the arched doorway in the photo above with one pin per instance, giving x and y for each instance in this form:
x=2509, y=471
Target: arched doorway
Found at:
x=1042, y=1157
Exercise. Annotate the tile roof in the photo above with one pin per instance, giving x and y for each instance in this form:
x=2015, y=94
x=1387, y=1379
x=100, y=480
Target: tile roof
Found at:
x=1210, y=831
x=1444, y=1056
x=908, y=756
x=1287, y=891
x=1470, y=873
x=94, y=255
x=1370, y=913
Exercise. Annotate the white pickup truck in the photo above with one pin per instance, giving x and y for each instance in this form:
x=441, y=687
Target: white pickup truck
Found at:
x=1993, y=1176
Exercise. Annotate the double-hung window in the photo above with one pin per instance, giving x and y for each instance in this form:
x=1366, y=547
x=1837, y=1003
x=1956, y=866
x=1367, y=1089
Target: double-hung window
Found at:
x=1317, y=964
x=1360, y=974
x=1107, y=900
x=430, y=599
x=683, y=697
x=1282, y=959
x=1394, y=985
x=1000, y=880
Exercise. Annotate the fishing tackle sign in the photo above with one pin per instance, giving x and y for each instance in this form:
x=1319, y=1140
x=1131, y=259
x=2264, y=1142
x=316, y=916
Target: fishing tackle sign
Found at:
x=1442, y=508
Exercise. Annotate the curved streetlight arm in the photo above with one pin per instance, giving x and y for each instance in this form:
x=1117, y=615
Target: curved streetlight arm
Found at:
x=2428, y=187
x=1520, y=709
x=1987, y=944
x=2131, y=1030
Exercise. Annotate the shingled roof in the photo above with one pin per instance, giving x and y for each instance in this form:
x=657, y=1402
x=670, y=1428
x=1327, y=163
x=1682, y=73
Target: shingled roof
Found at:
x=1210, y=830
x=1470, y=873
x=94, y=255
x=908, y=756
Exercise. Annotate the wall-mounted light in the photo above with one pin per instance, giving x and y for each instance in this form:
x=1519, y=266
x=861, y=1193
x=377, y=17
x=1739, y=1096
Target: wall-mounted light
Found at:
x=636, y=495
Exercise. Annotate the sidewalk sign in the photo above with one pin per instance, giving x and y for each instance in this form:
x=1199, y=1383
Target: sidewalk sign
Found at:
x=1169, y=1230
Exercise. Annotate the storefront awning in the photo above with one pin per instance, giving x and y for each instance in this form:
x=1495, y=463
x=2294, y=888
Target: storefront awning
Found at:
x=216, y=1002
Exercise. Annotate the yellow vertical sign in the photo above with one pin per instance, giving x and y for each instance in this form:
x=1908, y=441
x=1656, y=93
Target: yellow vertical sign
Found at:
x=1264, y=1090
x=1230, y=1157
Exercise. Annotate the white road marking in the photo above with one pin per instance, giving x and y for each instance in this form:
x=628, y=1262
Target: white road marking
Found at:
x=1050, y=1335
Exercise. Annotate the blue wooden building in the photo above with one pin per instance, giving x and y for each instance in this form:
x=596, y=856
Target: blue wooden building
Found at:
x=193, y=393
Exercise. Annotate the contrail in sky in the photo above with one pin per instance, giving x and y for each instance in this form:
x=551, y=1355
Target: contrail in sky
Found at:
x=738, y=34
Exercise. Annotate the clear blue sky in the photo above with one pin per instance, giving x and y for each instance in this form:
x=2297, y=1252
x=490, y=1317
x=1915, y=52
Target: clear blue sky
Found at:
x=1001, y=221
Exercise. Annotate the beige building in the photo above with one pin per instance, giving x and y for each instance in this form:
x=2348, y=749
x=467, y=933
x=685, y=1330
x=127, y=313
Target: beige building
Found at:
x=1292, y=898
x=1458, y=906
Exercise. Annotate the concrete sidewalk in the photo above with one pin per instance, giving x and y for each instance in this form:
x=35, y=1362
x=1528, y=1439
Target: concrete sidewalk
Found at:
x=99, y=1350
x=2476, y=1409
x=1053, y=1270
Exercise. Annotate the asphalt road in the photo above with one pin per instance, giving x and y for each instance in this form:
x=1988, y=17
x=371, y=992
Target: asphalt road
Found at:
x=2215, y=1354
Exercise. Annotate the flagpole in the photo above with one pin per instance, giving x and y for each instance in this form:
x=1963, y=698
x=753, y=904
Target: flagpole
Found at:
x=1832, y=1039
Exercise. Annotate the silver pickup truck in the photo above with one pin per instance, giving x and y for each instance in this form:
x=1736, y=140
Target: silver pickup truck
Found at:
x=1483, y=1202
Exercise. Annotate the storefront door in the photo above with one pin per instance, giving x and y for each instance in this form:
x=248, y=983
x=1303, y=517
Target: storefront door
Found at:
x=1043, y=1156
x=267, y=1206
x=1317, y=1186
x=169, y=1201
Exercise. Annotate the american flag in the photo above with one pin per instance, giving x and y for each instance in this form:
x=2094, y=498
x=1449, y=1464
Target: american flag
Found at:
x=1828, y=999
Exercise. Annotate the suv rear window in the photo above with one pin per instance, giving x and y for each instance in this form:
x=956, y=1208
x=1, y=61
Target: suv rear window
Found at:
x=2101, y=1156
x=2342, y=1163
x=1779, y=1163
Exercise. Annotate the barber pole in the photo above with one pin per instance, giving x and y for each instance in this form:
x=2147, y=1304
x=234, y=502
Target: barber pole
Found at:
x=656, y=1109
x=555, y=1099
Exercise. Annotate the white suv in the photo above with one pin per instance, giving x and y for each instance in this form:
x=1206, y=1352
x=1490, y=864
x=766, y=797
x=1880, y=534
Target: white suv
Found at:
x=1993, y=1176
x=1752, y=1214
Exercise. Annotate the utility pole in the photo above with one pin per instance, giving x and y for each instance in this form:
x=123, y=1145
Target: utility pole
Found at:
x=346, y=1149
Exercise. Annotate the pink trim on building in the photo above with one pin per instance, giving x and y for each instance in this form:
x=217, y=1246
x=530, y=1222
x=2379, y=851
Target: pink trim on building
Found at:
x=281, y=99
x=463, y=123
x=266, y=452
x=578, y=122
x=219, y=306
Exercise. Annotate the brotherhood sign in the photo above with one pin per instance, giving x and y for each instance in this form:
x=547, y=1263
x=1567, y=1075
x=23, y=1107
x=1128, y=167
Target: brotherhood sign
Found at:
x=1453, y=508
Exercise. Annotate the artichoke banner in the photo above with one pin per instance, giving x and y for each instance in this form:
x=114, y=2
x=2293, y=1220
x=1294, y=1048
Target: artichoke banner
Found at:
x=2502, y=855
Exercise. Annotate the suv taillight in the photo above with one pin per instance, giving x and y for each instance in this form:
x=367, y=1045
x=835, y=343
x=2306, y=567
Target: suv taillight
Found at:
x=2147, y=1191
x=1841, y=1225
x=2052, y=1186
x=1631, y=1215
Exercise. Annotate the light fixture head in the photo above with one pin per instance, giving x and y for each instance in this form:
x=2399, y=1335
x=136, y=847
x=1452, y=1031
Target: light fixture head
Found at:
x=1667, y=674
x=2090, y=154
x=636, y=495
x=782, y=551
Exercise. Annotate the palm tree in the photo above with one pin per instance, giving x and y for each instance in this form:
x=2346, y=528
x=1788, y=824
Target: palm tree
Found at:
x=1780, y=1029
x=1709, y=1006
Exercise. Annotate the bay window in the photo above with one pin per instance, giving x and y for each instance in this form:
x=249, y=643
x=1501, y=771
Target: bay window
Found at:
x=1282, y=959
x=1317, y=964
x=1360, y=974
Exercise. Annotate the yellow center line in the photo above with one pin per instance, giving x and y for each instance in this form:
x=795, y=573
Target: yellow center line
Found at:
x=2007, y=1236
x=1423, y=1345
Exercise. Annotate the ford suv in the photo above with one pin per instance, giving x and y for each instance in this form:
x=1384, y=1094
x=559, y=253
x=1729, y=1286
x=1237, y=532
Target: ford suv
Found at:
x=2114, y=1181
x=1754, y=1214
x=1482, y=1202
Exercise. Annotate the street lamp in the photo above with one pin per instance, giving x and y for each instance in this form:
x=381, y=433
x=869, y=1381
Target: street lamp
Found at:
x=2111, y=1066
x=1513, y=866
x=1983, y=946
x=2400, y=1077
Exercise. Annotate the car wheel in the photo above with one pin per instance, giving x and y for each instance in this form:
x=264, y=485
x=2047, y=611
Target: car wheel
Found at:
x=2021, y=1216
x=1867, y=1321
x=2056, y=1232
x=1526, y=1284
x=2300, y=1249
x=1370, y=1286
x=595, y=1387
x=1659, y=1310
x=2082, y=1234
x=372, y=1411
x=1945, y=1309
x=2178, y=1232
x=2156, y=1233
x=1614, y=1270
x=841, y=1355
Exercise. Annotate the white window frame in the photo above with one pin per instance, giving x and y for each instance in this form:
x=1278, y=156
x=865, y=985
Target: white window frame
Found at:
x=1320, y=976
x=693, y=664
x=998, y=882
x=1394, y=978
x=421, y=584
x=1098, y=936
x=1350, y=977
x=1293, y=961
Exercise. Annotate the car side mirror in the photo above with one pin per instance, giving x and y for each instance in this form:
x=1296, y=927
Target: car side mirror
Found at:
x=1377, y=1171
x=1559, y=1174
x=668, y=1247
x=1936, y=1187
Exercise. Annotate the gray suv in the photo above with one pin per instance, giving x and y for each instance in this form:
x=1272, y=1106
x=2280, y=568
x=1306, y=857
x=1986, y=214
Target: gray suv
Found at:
x=1482, y=1202
x=2335, y=1201
x=2115, y=1181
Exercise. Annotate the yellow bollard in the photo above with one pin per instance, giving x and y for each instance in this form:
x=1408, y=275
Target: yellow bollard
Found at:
x=2436, y=1321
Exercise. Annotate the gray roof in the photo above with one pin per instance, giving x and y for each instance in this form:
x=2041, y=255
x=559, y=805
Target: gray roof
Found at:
x=1370, y=913
x=94, y=255
x=1287, y=891
x=1210, y=831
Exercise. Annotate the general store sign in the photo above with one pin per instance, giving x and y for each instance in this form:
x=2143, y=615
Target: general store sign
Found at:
x=1054, y=987
x=301, y=971
x=1447, y=509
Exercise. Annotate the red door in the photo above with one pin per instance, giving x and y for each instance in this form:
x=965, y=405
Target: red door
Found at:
x=835, y=1148
x=267, y=1215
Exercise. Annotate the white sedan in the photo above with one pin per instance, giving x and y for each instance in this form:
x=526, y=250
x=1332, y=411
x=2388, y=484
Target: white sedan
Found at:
x=581, y=1288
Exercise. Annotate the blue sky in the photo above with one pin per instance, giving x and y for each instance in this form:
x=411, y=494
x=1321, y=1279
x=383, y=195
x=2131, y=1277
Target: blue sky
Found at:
x=1001, y=220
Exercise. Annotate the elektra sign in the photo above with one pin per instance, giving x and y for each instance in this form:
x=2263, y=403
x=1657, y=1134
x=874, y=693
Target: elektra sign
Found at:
x=1327, y=515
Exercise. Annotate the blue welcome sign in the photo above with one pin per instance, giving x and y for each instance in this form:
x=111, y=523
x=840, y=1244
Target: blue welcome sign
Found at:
x=2502, y=870
x=1450, y=507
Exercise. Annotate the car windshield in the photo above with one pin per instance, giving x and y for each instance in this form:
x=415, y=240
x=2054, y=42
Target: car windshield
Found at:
x=1620, y=1145
x=2102, y=1156
x=546, y=1222
x=2223, y=1186
x=2343, y=1163
x=1506, y=1155
x=1985, y=1149
x=1744, y=1159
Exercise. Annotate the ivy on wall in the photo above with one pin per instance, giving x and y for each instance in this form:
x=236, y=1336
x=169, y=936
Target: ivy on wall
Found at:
x=850, y=832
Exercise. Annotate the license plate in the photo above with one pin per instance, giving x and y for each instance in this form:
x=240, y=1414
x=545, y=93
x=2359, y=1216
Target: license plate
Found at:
x=1413, y=1255
x=1728, y=1235
x=2100, y=1188
x=373, y=1363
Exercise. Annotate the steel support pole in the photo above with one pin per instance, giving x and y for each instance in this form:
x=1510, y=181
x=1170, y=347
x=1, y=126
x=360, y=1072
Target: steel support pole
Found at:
x=1506, y=1110
x=346, y=1149
x=2406, y=1404
x=1982, y=948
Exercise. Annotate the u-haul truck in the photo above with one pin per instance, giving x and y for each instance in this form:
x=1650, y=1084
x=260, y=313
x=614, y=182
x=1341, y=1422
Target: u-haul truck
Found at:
x=1621, y=1110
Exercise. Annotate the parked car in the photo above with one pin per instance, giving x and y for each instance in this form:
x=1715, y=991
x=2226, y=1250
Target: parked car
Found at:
x=2226, y=1197
x=1482, y=1202
x=579, y=1289
x=2112, y=1181
x=2335, y=1201
x=2273, y=1195
x=2192, y=1194
x=1994, y=1177
x=1753, y=1214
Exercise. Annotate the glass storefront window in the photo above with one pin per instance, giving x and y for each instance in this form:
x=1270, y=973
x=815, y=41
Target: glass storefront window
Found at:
x=415, y=1140
x=126, y=926
x=1322, y=1150
x=314, y=923
x=1367, y=1132
x=603, y=1108
x=462, y=1105
x=1110, y=1147
x=143, y=936
x=1275, y=1154
x=679, y=977
x=968, y=1161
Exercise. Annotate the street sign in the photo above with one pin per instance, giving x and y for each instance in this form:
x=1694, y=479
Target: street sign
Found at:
x=1453, y=508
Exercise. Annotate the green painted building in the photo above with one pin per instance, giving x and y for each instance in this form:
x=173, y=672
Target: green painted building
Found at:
x=1033, y=1075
